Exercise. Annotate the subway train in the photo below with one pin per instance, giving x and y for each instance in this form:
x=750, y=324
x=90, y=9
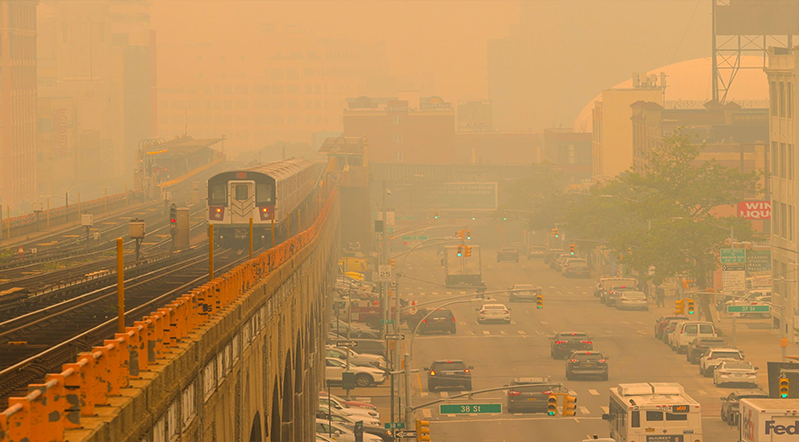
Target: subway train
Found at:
x=271, y=194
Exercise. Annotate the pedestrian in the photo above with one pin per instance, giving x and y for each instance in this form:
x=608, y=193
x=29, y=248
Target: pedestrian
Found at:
x=660, y=293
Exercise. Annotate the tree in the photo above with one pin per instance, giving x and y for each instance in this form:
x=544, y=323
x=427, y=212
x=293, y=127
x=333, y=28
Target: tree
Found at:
x=538, y=198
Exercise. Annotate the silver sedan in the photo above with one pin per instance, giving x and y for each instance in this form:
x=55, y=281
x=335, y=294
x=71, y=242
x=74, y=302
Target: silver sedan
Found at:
x=632, y=300
x=735, y=372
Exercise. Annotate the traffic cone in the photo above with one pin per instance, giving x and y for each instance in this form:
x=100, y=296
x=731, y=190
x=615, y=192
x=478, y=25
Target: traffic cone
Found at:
x=20, y=251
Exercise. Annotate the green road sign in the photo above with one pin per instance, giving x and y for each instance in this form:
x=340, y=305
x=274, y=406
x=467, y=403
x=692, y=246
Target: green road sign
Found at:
x=415, y=237
x=470, y=408
x=386, y=321
x=394, y=425
x=733, y=256
x=748, y=308
x=405, y=218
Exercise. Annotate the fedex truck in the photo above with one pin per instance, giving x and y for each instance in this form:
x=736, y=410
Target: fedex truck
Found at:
x=769, y=420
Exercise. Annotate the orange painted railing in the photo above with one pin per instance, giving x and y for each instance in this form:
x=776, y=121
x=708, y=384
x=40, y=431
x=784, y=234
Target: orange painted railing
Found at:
x=58, y=404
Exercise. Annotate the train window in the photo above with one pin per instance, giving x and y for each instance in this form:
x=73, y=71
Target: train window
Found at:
x=242, y=192
x=263, y=194
x=216, y=195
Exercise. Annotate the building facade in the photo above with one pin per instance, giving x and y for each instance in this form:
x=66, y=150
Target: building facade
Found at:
x=569, y=152
x=17, y=104
x=783, y=77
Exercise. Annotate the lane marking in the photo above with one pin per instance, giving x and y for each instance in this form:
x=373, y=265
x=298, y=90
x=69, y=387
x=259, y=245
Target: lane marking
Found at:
x=521, y=332
x=539, y=332
x=552, y=286
x=462, y=322
x=585, y=293
x=419, y=378
x=572, y=393
x=420, y=294
x=594, y=392
x=449, y=293
x=624, y=322
x=584, y=410
x=434, y=293
x=471, y=332
x=701, y=391
x=463, y=293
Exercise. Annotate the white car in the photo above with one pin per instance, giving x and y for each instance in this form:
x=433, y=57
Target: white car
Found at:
x=715, y=356
x=340, y=433
x=364, y=376
x=493, y=312
x=352, y=411
x=687, y=331
x=735, y=372
x=346, y=419
x=360, y=359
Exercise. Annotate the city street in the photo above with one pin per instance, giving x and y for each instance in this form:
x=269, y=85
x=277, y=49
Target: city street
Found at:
x=501, y=352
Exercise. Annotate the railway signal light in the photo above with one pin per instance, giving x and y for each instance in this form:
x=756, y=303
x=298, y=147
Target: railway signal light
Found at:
x=460, y=251
x=569, y=405
x=571, y=249
x=468, y=234
x=173, y=217
x=422, y=430
x=552, y=405
x=539, y=301
x=467, y=251
x=435, y=215
x=785, y=386
x=690, y=306
x=679, y=307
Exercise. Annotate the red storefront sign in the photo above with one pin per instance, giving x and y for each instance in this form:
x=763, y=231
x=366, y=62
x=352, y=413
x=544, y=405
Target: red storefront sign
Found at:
x=754, y=209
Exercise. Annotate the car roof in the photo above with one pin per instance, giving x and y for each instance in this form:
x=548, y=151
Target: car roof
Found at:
x=491, y=305
x=723, y=349
x=572, y=333
x=737, y=361
x=758, y=392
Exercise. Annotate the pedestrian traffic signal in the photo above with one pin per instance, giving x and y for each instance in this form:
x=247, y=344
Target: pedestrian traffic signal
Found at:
x=422, y=430
x=460, y=251
x=785, y=386
x=690, y=306
x=571, y=249
x=552, y=405
x=173, y=216
x=467, y=251
x=679, y=307
x=569, y=405
x=539, y=301
x=468, y=234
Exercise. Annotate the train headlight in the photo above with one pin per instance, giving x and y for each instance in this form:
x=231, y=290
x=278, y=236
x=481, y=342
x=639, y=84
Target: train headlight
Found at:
x=266, y=213
x=216, y=213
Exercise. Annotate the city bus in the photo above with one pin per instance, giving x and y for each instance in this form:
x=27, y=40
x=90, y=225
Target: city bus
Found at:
x=653, y=412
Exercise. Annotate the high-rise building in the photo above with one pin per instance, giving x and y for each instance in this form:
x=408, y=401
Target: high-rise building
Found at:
x=293, y=86
x=783, y=77
x=17, y=103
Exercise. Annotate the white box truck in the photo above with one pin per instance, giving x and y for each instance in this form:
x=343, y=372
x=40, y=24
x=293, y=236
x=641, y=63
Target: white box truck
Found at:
x=769, y=420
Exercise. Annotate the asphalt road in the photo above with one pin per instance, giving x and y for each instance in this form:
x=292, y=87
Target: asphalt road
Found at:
x=503, y=351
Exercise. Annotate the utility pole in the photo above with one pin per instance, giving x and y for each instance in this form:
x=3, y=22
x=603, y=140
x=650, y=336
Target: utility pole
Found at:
x=384, y=260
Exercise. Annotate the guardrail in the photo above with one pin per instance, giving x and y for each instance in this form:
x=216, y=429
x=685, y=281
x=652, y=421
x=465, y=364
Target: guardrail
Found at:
x=51, y=408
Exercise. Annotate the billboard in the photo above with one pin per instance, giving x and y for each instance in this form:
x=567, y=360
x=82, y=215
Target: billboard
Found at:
x=455, y=196
x=754, y=209
x=758, y=17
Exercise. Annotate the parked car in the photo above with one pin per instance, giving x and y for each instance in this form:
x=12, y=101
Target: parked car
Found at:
x=564, y=343
x=605, y=284
x=348, y=404
x=735, y=372
x=552, y=254
x=688, y=331
x=663, y=321
x=449, y=373
x=364, y=376
x=368, y=346
x=587, y=363
x=557, y=263
x=632, y=300
x=370, y=426
x=730, y=412
x=442, y=320
x=338, y=404
x=576, y=268
x=341, y=433
x=609, y=297
x=508, y=254
x=530, y=394
x=536, y=252
x=698, y=346
x=715, y=356
x=669, y=329
x=529, y=292
x=364, y=360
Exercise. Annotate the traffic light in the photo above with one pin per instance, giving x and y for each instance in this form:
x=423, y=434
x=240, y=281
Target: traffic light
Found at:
x=422, y=430
x=569, y=405
x=461, y=234
x=173, y=217
x=460, y=251
x=393, y=263
x=552, y=405
x=679, y=307
x=436, y=215
x=690, y=305
x=467, y=251
x=571, y=249
x=539, y=301
x=468, y=234
x=785, y=386
x=504, y=216
x=556, y=232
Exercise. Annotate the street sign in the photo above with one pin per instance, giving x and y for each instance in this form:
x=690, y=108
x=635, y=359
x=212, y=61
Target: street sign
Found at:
x=346, y=343
x=405, y=434
x=470, y=408
x=386, y=321
x=733, y=280
x=733, y=256
x=415, y=237
x=394, y=425
x=384, y=273
x=405, y=217
x=748, y=308
x=397, y=337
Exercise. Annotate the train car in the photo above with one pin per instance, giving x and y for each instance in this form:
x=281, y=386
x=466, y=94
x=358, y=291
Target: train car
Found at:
x=268, y=193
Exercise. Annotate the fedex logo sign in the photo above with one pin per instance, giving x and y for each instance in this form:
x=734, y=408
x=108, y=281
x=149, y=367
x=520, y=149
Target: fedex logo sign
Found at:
x=754, y=209
x=773, y=427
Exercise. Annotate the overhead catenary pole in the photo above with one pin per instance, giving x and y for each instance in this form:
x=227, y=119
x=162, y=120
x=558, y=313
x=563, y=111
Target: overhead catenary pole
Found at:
x=120, y=285
x=250, y=237
x=273, y=229
x=210, y=252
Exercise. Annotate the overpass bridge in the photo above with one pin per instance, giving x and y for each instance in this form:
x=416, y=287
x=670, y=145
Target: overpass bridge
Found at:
x=240, y=358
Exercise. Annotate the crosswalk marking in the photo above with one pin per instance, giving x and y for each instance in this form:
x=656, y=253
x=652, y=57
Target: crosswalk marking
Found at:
x=421, y=294
x=544, y=322
x=521, y=332
x=643, y=332
x=513, y=322
x=471, y=332
x=462, y=322
x=585, y=293
x=463, y=293
x=486, y=332
x=594, y=392
x=624, y=322
x=584, y=410
x=540, y=332
x=410, y=294
x=427, y=413
x=419, y=288
x=552, y=286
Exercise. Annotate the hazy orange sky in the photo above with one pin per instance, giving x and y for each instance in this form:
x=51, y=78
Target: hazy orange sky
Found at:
x=445, y=37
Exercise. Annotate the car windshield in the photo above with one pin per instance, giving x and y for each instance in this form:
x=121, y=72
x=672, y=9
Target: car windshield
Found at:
x=453, y=365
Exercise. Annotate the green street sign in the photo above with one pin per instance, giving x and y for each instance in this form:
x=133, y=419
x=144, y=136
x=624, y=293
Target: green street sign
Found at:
x=470, y=408
x=733, y=256
x=415, y=237
x=405, y=218
x=394, y=425
x=386, y=321
x=748, y=308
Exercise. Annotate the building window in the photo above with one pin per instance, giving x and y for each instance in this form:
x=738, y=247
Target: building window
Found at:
x=791, y=165
x=791, y=214
x=397, y=119
x=398, y=156
x=789, y=99
x=782, y=99
x=773, y=97
x=774, y=158
x=783, y=173
x=775, y=218
x=398, y=138
x=783, y=220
